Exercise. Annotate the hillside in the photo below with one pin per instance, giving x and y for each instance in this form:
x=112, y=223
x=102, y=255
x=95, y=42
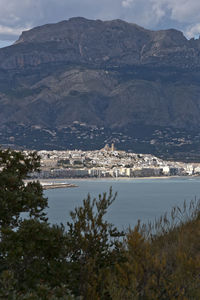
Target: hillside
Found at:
x=81, y=83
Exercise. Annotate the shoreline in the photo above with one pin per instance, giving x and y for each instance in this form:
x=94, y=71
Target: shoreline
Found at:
x=113, y=178
x=57, y=180
x=59, y=183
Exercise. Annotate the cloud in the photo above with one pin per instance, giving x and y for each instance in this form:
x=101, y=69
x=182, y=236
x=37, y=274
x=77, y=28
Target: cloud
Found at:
x=18, y=15
x=193, y=31
x=155, y=14
x=127, y=3
x=183, y=10
x=183, y=14
x=10, y=31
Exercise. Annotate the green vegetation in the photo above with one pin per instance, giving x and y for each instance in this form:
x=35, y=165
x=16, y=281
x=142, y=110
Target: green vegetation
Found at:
x=90, y=259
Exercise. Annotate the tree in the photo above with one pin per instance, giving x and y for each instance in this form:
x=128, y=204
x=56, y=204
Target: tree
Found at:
x=31, y=249
x=48, y=259
x=16, y=197
x=94, y=247
x=35, y=253
x=9, y=290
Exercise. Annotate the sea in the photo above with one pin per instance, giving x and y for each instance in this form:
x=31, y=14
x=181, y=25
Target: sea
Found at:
x=137, y=199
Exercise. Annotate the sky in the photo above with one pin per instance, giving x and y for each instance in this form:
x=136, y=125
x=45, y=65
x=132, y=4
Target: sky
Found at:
x=19, y=15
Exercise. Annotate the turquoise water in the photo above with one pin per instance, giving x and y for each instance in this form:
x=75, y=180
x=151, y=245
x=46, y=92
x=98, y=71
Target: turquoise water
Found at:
x=144, y=199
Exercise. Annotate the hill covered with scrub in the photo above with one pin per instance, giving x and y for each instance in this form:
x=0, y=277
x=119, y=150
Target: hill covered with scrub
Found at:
x=118, y=81
x=90, y=258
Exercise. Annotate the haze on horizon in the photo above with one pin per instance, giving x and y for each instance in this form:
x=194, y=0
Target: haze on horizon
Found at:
x=16, y=16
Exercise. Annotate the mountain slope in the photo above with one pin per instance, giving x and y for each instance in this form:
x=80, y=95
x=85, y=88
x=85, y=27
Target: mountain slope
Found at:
x=112, y=75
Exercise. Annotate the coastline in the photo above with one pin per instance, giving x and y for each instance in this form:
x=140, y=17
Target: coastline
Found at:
x=115, y=178
x=58, y=183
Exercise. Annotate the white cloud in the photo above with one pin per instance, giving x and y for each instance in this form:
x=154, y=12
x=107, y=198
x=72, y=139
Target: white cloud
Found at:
x=183, y=13
x=184, y=10
x=16, y=15
x=6, y=30
x=193, y=31
x=127, y=3
x=158, y=10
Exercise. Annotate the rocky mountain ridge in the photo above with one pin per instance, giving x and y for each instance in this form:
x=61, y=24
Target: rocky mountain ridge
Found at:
x=109, y=74
x=99, y=43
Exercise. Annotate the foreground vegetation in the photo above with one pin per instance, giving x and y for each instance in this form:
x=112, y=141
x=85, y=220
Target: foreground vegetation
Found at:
x=89, y=258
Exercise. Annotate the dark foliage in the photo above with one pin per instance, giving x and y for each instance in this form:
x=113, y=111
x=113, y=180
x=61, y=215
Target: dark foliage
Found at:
x=16, y=197
x=90, y=259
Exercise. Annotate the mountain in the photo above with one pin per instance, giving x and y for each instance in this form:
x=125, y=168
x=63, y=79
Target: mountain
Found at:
x=82, y=83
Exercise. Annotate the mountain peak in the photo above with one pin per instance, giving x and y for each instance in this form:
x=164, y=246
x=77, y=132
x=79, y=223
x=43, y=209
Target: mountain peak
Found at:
x=111, y=74
x=63, y=29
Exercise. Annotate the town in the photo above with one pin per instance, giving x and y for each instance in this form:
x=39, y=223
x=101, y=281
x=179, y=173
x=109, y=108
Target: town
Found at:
x=108, y=162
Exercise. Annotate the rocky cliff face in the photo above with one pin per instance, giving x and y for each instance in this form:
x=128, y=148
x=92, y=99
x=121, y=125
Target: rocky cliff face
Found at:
x=97, y=43
x=112, y=74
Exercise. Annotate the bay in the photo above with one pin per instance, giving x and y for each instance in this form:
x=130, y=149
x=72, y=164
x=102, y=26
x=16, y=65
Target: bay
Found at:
x=144, y=199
